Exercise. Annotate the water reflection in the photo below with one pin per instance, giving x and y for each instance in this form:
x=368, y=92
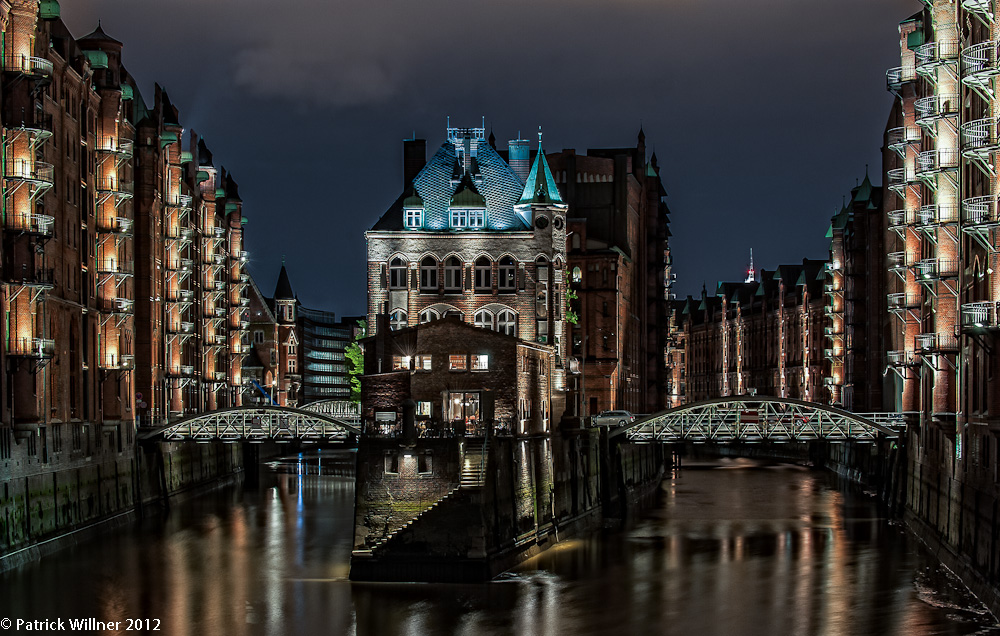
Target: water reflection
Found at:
x=733, y=548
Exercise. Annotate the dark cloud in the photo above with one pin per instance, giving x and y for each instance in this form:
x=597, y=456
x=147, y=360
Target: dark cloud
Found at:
x=763, y=114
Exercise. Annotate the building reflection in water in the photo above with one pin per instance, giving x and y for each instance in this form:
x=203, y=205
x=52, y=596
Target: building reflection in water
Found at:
x=743, y=548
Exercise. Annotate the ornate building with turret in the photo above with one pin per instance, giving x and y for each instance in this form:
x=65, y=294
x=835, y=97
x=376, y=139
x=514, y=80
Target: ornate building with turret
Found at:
x=473, y=236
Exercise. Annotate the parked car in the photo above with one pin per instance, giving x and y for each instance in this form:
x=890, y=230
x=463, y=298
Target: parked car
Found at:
x=612, y=418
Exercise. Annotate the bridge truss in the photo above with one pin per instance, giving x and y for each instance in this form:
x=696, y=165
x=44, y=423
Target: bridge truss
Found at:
x=759, y=419
x=258, y=424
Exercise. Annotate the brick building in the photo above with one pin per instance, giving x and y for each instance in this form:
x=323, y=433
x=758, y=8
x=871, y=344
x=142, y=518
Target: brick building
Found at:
x=619, y=264
x=461, y=377
x=764, y=337
x=474, y=236
x=121, y=254
x=297, y=354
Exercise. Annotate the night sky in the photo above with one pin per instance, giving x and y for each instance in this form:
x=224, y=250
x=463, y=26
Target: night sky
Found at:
x=762, y=114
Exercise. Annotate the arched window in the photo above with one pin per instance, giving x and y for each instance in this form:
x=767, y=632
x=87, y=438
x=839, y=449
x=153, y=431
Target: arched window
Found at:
x=484, y=319
x=453, y=275
x=484, y=274
x=507, y=278
x=507, y=322
x=397, y=319
x=428, y=315
x=577, y=275
x=397, y=274
x=428, y=275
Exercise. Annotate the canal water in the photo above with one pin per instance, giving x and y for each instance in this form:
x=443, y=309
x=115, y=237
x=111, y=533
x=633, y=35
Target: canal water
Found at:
x=733, y=547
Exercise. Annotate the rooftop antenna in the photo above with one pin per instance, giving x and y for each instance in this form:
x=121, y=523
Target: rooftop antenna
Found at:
x=751, y=272
x=539, y=135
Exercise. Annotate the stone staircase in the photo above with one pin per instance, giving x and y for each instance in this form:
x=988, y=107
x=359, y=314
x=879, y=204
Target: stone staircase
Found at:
x=474, y=464
x=473, y=477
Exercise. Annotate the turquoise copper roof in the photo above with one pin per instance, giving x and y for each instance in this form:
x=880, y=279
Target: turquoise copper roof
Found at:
x=540, y=186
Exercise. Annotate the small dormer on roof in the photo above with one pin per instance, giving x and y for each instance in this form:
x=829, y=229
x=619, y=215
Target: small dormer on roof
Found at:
x=467, y=208
x=413, y=210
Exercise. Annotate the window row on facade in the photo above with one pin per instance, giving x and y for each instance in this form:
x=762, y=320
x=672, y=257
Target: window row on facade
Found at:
x=504, y=320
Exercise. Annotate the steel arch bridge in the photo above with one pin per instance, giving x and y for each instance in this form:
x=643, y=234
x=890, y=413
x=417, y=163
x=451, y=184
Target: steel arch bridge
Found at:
x=259, y=424
x=751, y=418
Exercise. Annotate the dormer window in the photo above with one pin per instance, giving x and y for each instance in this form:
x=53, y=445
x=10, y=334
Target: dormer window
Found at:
x=413, y=218
x=462, y=218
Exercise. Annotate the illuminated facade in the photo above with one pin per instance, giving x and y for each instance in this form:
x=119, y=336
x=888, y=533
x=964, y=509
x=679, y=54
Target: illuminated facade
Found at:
x=476, y=237
x=122, y=253
x=941, y=166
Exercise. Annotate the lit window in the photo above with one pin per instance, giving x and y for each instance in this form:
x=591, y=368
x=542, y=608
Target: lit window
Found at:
x=507, y=279
x=397, y=274
x=484, y=274
x=507, y=322
x=480, y=362
x=453, y=275
x=577, y=275
x=424, y=409
x=413, y=217
x=459, y=218
x=429, y=315
x=400, y=363
x=484, y=319
x=424, y=362
x=477, y=218
x=428, y=274
x=457, y=362
x=397, y=319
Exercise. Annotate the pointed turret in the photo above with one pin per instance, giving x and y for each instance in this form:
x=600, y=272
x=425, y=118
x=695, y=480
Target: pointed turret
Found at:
x=540, y=187
x=283, y=290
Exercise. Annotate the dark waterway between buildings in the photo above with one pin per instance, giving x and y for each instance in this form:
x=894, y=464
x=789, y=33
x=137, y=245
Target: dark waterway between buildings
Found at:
x=734, y=547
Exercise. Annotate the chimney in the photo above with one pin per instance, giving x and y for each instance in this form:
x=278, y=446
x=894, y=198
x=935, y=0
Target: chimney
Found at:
x=519, y=158
x=414, y=159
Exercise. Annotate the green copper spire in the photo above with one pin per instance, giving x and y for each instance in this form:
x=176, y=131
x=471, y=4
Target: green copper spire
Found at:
x=540, y=186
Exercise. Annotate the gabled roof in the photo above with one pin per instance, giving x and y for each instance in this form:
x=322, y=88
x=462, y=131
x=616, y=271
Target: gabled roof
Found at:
x=98, y=35
x=540, y=187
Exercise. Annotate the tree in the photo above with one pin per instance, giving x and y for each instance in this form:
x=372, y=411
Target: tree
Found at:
x=356, y=360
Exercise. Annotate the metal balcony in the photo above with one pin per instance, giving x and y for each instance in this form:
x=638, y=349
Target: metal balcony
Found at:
x=982, y=7
x=833, y=332
x=112, y=146
x=215, y=259
x=112, y=362
x=979, y=138
x=117, y=225
x=834, y=354
x=38, y=129
x=937, y=343
x=181, y=371
x=36, y=348
x=931, y=55
x=981, y=315
x=898, y=261
x=896, y=78
x=180, y=233
x=181, y=327
x=242, y=257
x=218, y=286
x=36, y=172
x=931, y=109
x=37, y=68
x=35, y=278
x=899, y=219
x=118, y=306
x=980, y=213
x=899, y=139
x=180, y=295
x=900, y=301
x=932, y=162
x=937, y=214
x=244, y=301
x=180, y=265
x=900, y=358
x=219, y=376
x=899, y=179
x=936, y=269
x=114, y=185
x=178, y=201
x=113, y=267
x=979, y=64
x=34, y=224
